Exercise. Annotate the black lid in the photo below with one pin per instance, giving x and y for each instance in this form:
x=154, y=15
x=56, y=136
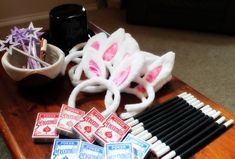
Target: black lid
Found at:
x=67, y=11
x=68, y=26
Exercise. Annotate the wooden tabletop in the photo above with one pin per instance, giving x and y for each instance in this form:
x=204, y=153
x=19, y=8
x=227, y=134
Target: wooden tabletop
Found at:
x=19, y=106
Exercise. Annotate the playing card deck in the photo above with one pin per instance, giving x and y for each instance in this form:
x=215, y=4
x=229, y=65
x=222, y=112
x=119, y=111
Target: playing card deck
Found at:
x=119, y=150
x=90, y=126
x=140, y=147
x=45, y=127
x=113, y=129
x=86, y=127
x=65, y=149
x=90, y=151
x=67, y=118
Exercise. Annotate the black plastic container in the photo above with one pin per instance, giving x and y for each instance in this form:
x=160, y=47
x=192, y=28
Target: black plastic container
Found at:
x=68, y=26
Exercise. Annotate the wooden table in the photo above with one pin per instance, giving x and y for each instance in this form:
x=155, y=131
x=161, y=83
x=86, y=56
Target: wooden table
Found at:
x=19, y=107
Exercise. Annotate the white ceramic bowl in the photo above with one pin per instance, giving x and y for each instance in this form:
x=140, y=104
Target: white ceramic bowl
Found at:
x=13, y=65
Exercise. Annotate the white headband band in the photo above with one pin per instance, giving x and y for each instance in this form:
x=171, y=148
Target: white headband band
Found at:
x=118, y=80
x=100, y=81
x=118, y=54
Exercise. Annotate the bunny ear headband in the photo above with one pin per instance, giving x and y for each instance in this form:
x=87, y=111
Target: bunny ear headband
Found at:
x=119, y=79
x=112, y=64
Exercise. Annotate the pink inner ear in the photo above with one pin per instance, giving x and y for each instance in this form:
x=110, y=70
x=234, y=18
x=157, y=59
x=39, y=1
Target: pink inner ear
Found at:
x=110, y=52
x=95, y=45
x=141, y=88
x=94, y=68
x=152, y=75
x=122, y=76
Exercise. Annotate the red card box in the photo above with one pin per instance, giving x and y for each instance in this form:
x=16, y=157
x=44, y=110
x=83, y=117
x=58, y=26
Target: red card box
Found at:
x=86, y=127
x=68, y=117
x=113, y=129
x=45, y=127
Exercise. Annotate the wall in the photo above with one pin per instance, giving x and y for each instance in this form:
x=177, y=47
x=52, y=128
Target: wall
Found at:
x=14, y=12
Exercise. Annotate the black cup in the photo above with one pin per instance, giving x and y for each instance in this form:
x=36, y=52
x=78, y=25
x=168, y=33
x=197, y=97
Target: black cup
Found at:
x=68, y=26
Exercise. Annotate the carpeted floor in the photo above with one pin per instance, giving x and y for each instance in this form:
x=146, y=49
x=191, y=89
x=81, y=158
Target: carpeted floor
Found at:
x=205, y=61
x=4, y=152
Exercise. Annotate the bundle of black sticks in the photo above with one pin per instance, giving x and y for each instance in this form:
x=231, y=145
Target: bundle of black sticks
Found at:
x=179, y=127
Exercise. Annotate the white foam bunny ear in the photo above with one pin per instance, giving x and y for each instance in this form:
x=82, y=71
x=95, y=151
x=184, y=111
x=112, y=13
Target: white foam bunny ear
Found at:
x=112, y=46
x=75, y=55
x=96, y=42
x=132, y=46
x=124, y=74
x=159, y=71
x=93, y=64
x=164, y=75
x=127, y=71
x=149, y=58
x=93, y=67
x=128, y=47
x=157, y=75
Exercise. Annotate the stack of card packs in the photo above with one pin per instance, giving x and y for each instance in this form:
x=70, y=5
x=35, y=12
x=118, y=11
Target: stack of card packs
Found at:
x=113, y=129
x=74, y=149
x=67, y=118
x=130, y=148
x=74, y=123
x=45, y=127
x=86, y=127
x=110, y=132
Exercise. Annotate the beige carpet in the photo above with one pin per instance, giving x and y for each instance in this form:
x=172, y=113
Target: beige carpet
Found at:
x=205, y=61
